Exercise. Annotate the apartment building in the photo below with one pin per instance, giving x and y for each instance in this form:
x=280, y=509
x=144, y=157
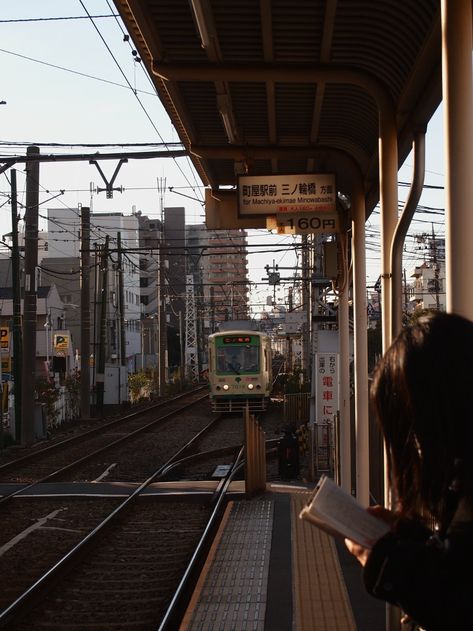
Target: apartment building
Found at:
x=220, y=269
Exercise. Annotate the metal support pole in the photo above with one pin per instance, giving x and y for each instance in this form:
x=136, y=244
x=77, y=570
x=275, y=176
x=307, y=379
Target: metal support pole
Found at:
x=458, y=152
x=344, y=452
x=121, y=303
x=182, y=350
x=401, y=231
x=361, y=348
x=30, y=298
x=85, y=314
x=100, y=375
x=16, y=288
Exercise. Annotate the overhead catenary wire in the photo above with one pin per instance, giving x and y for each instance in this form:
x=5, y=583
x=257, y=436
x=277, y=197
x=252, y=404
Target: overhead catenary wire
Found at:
x=128, y=82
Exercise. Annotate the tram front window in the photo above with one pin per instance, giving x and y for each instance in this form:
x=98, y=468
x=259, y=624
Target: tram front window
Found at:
x=236, y=360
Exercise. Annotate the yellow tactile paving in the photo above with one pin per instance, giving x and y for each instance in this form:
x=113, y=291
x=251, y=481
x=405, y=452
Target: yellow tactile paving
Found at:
x=321, y=601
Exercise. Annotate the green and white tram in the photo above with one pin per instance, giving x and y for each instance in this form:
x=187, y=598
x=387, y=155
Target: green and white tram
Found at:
x=240, y=366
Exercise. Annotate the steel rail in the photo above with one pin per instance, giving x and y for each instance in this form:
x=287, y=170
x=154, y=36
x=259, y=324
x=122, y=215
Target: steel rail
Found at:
x=91, y=432
x=24, y=603
x=181, y=598
x=89, y=456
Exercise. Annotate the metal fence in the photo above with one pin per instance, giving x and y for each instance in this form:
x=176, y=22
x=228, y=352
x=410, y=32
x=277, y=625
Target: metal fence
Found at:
x=296, y=408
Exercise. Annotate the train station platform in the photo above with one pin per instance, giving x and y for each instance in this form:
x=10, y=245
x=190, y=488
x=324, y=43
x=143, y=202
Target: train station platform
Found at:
x=270, y=571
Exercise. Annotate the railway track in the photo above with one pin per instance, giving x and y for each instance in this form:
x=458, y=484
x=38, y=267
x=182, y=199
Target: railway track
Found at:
x=113, y=561
x=120, y=574
x=62, y=458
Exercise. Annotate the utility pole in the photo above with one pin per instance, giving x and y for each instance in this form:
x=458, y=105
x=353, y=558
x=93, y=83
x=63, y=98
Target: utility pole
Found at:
x=182, y=360
x=306, y=301
x=162, y=329
x=85, y=314
x=406, y=296
x=212, y=310
x=436, y=270
x=191, y=332
x=30, y=298
x=16, y=288
x=289, y=338
x=96, y=327
x=121, y=301
x=100, y=375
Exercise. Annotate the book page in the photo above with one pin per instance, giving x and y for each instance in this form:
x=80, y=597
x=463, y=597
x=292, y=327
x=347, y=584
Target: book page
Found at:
x=337, y=512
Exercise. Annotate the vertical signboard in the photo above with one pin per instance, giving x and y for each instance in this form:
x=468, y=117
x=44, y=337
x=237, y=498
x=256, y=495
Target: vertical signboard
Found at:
x=326, y=396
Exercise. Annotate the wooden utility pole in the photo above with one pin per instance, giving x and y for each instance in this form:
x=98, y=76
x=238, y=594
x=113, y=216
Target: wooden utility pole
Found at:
x=30, y=299
x=16, y=288
x=85, y=314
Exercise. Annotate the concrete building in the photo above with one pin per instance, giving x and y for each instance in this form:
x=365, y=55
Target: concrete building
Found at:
x=217, y=262
x=220, y=264
x=54, y=348
x=428, y=289
x=64, y=250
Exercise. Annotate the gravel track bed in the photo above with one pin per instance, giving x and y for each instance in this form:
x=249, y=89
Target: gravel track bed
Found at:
x=138, y=458
x=49, y=463
x=131, y=575
x=73, y=429
x=230, y=433
x=129, y=583
x=35, y=534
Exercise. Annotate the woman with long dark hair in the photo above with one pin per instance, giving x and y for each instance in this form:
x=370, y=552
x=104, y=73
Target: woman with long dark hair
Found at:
x=422, y=395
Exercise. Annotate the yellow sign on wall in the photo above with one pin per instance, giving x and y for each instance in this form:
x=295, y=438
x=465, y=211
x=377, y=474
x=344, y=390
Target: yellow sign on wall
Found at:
x=61, y=342
x=4, y=339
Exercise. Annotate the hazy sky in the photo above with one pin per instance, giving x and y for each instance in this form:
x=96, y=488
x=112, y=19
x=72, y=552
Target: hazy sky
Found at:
x=54, y=102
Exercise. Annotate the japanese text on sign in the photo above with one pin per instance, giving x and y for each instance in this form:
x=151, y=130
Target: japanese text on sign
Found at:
x=326, y=386
x=269, y=195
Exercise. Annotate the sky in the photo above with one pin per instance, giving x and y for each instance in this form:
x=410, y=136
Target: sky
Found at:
x=70, y=82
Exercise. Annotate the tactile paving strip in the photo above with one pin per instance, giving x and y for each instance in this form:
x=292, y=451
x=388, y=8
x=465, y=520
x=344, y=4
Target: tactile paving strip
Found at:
x=233, y=596
x=322, y=601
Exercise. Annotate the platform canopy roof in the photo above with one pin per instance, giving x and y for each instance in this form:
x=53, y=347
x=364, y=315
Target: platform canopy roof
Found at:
x=284, y=86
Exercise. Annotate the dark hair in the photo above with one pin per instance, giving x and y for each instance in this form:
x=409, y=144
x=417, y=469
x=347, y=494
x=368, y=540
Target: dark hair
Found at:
x=422, y=397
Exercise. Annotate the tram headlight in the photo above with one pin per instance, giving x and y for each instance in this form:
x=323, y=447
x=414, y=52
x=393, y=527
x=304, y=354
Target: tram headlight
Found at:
x=226, y=386
x=250, y=386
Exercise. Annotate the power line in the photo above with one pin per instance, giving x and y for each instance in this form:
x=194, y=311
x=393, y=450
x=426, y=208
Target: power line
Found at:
x=128, y=82
x=76, y=72
x=9, y=143
x=57, y=19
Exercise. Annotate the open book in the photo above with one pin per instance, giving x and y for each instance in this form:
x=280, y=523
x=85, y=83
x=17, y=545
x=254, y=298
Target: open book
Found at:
x=339, y=514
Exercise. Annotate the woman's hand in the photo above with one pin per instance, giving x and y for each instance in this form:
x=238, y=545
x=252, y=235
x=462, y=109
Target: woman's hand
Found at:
x=360, y=552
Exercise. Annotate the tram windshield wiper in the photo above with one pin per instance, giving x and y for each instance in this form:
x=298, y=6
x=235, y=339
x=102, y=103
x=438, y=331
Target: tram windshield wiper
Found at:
x=234, y=368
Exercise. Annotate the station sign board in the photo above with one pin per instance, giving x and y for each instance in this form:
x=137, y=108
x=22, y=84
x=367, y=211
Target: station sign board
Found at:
x=288, y=194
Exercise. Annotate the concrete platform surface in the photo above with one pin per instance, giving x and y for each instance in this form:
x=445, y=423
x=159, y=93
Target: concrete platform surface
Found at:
x=270, y=571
